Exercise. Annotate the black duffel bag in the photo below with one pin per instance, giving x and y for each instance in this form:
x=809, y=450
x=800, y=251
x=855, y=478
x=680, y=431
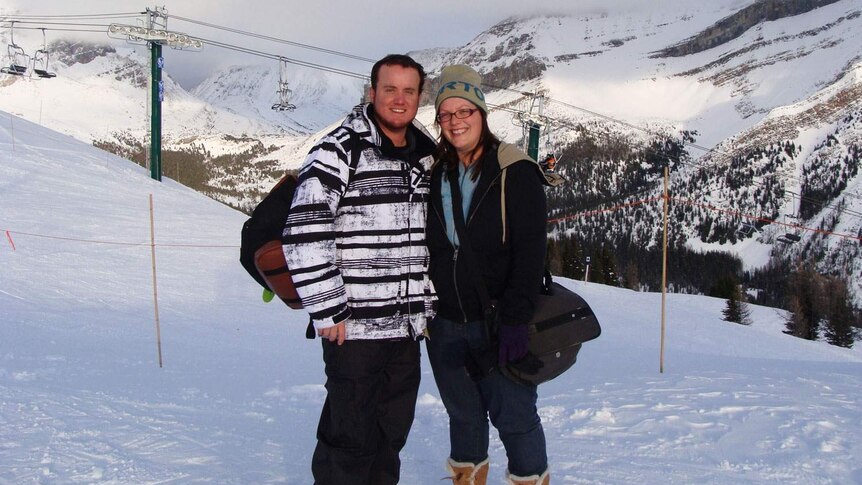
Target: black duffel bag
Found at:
x=561, y=322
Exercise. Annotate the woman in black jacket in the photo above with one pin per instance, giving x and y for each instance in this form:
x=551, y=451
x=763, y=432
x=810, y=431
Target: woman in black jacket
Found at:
x=502, y=205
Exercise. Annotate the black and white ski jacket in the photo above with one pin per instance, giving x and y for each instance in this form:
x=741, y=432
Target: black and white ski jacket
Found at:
x=355, y=237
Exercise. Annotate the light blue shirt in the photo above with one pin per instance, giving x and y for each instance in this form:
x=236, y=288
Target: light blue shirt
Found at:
x=468, y=187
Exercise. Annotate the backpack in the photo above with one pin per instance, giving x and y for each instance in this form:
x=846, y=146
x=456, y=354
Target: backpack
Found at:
x=260, y=249
x=261, y=252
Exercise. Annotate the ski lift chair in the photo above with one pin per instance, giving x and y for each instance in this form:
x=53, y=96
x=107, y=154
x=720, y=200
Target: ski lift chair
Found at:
x=747, y=229
x=284, y=91
x=283, y=106
x=40, y=65
x=789, y=238
x=793, y=235
x=18, y=61
x=40, y=60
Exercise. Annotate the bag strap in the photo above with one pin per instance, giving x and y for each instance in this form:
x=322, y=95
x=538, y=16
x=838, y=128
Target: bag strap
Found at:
x=355, y=153
x=488, y=306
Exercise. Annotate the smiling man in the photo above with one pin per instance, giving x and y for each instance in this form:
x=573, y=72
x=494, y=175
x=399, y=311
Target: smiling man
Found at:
x=355, y=245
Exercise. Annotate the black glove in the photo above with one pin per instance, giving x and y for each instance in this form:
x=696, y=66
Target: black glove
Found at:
x=514, y=342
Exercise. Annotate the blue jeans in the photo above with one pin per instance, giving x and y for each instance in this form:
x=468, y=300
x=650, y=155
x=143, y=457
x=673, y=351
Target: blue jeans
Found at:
x=471, y=400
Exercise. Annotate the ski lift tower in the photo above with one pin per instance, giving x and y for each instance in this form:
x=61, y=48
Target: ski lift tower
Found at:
x=155, y=35
x=531, y=122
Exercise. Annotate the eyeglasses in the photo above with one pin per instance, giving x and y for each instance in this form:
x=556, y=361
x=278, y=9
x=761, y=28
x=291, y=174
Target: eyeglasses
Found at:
x=460, y=114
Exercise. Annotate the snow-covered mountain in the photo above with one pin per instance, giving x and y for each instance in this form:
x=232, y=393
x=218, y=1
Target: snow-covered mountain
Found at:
x=84, y=401
x=621, y=65
x=766, y=95
x=754, y=103
x=100, y=90
x=319, y=97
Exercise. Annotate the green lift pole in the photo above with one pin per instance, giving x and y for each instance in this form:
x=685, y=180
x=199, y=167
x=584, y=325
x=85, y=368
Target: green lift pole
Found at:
x=155, y=36
x=156, y=95
x=533, y=144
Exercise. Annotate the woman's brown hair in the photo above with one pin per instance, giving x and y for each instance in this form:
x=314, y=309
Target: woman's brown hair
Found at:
x=446, y=153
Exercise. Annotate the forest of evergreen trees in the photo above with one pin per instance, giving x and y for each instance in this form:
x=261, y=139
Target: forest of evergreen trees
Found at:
x=820, y=306
x=623, y=245
x=195, y=167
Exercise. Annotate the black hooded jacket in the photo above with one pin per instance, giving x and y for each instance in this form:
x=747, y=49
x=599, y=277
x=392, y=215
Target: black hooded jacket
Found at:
x=512, y=269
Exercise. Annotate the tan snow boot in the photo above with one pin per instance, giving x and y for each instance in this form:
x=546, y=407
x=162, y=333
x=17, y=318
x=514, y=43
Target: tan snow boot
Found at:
x=543, y=479
x=467, y=473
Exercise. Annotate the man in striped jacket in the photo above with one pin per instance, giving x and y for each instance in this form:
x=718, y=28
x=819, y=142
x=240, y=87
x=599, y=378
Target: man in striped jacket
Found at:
x=355, y=245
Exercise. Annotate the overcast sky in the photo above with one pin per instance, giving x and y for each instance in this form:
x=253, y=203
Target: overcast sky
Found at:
x=365, y=28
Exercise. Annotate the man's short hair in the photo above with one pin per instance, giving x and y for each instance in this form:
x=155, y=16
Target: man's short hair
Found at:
x=397, y=60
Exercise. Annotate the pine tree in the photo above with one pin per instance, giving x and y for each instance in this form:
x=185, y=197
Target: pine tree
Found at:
x=632, y=278
x=805, y=304
x=608, y=267
x=839, y=315
x=737, y=309
x=727, y=287
x=553, y=257
x=597, y=270
x=569, y=257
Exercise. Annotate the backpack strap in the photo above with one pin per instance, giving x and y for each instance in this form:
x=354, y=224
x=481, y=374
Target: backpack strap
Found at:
x=508, y=154
x=355, y=153
x=489, y=308
x=503, y=203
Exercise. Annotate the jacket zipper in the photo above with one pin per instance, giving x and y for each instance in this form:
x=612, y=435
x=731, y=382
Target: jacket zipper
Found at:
x=455, y=249
x=410, y=330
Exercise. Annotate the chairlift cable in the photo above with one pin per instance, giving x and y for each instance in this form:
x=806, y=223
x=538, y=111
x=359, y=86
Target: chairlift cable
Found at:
x=54, y=23
x=266, y=55
x=569, y=123
x=76, y=24
x=693, y=145
x=77, y=16
x=270, y=38
x=101, y=31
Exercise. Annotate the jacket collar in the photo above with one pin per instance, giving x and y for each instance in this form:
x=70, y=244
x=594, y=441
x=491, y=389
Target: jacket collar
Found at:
x=361, y=121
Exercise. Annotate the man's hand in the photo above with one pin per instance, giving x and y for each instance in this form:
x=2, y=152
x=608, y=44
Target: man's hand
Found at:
x=334, y=334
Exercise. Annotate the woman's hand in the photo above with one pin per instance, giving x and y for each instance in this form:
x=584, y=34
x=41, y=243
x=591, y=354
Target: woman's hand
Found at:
x=514, y=343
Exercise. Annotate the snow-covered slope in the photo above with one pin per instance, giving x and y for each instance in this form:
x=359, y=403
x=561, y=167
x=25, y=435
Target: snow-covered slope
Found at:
x=82, y=399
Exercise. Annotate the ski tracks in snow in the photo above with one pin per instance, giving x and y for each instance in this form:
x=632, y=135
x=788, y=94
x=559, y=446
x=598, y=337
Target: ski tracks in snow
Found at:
x=93, y=437
x=711, y=428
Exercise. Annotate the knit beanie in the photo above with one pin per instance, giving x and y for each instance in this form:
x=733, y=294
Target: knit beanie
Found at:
x=460, y=81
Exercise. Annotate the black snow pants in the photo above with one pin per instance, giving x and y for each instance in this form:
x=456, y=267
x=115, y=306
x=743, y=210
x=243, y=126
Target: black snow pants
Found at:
x=371, y=399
